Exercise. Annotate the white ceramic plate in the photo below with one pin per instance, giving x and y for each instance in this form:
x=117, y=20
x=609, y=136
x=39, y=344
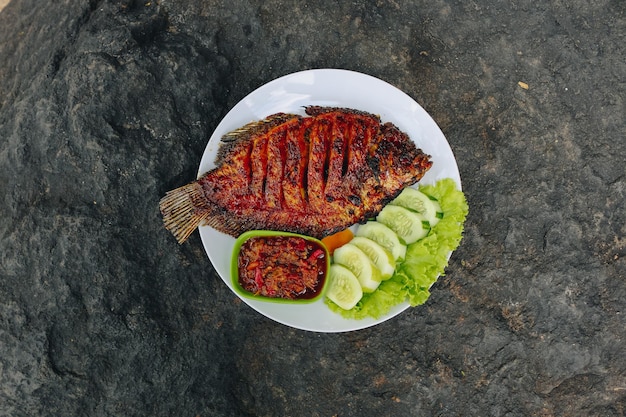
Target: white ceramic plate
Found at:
x=325, y=87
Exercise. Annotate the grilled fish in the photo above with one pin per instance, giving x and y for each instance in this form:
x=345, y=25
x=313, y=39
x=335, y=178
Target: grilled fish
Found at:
x=315, y=175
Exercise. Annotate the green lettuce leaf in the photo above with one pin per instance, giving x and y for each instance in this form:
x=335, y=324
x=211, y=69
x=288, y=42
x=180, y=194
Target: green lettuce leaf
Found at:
x=425, y=260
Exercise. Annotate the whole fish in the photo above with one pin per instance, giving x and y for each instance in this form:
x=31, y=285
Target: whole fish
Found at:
x=315, y=175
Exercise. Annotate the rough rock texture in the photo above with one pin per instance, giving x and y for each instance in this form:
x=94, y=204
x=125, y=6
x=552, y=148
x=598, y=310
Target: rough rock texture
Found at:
x=105, y=105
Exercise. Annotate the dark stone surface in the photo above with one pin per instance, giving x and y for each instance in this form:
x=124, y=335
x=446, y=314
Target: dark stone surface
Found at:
x=105, y=105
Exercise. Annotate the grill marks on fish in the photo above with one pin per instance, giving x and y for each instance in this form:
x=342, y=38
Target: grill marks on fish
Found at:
x=295, y=171
x=272, y=188
x=293, y=164
x=313, y=175
x=318, y=163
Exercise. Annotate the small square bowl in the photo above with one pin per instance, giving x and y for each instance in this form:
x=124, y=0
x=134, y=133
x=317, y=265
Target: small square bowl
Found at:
x=309, y=296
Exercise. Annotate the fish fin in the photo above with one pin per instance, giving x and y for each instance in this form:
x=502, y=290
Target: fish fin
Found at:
x=182, y=210
x=252, y=129
x=225, y=223
x=318, y=110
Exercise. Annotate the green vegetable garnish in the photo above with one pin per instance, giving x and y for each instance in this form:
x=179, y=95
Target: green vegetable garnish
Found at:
x=425, y=259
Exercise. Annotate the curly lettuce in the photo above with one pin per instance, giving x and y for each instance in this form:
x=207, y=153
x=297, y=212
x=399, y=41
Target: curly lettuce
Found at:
x=425, y=259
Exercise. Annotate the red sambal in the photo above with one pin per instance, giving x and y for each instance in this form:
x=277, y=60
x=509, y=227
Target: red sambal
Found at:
x=289, y=267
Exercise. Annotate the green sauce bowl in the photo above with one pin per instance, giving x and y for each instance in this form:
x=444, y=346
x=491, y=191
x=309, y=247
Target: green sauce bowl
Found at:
x=319, y=256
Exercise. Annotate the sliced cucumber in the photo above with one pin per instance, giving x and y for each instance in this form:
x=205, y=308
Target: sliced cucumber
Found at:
x=417, y=201
x=408, y=225
x=384, y=236
x=359, y=263
x=381, y=257
x=344, y=288
x=438, y=213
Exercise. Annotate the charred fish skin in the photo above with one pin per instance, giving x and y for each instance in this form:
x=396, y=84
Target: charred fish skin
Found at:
x=314, y=174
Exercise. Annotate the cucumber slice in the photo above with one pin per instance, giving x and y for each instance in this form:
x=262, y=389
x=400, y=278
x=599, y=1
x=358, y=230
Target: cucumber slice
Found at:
x=380, y=256
x=417, y=201
x=385, y=237
x=343, y=287
x=408, y=225
x=360, y=264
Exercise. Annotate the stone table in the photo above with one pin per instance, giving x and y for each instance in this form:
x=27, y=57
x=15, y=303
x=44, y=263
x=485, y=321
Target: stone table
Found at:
x=106, y=105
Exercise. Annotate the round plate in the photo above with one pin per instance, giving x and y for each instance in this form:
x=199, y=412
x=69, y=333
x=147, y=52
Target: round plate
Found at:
x=325, y=87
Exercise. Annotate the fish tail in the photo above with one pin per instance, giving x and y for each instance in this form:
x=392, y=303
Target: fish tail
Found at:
x=183, y=211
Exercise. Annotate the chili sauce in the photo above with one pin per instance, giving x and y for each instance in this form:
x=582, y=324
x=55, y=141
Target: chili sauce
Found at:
x=289, y=267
